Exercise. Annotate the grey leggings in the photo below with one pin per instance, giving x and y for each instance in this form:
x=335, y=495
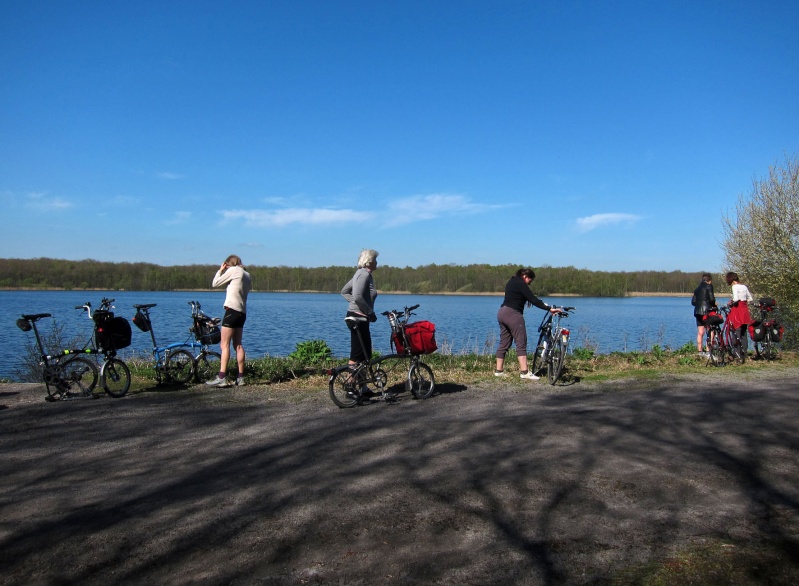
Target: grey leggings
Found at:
x=511, y=329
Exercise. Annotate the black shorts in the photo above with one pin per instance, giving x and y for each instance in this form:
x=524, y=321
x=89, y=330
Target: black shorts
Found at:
x=700, y=320
x=233, y=319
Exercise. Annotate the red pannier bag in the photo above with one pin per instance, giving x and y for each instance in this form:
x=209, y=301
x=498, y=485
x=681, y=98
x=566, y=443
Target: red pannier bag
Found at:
x=396, y=339
x=421, y=337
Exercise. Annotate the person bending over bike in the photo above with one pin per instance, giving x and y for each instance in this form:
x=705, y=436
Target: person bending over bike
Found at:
x=511, y=320
x=360, y=292
x=238, y=282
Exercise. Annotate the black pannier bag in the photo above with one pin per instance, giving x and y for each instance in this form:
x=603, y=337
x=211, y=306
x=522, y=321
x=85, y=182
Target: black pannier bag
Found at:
x=713, y=319
x=141, y=321
x=757, y=331
x=206, y=331
x=112, y=333
x=776, y=330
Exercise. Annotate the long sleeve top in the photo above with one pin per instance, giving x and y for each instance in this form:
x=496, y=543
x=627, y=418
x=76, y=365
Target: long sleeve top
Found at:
x=517, y=293
x=360, y=292
x=238, y=286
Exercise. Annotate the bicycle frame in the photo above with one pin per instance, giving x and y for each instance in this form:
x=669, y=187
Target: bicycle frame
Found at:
x=173, y=362
x=553, y=341
x=346, y=381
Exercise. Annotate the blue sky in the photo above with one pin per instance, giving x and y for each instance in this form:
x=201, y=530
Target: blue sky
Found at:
x=602, y=135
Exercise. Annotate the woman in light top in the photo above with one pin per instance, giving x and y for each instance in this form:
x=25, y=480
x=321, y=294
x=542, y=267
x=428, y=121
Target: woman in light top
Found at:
x=237, y=279
x=739, y=311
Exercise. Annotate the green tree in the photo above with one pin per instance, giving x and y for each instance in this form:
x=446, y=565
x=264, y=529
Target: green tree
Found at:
x=761, y=240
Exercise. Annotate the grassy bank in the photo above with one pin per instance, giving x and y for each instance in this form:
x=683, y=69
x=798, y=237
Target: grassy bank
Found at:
x=471, y=369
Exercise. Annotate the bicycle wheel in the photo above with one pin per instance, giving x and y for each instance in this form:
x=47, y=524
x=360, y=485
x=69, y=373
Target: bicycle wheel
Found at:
x=207, y=365
x=718, y=353
x=76, y=377
x=421, y=380
x=769, y=352
x=539, y=357
x=732, y=344
x=179, y=366
x=116, y=377
x=557, y=356
x=344, y=388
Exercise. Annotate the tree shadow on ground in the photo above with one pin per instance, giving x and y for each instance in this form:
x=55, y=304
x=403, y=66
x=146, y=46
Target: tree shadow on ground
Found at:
x=512, y=488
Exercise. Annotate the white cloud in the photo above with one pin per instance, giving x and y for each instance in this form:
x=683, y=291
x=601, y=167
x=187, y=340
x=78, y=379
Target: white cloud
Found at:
x=429, y=207
x=310, y=216
x=178, y=218
x=40, y=201
x=398, y=212
x=589, y=223
x=170, y=176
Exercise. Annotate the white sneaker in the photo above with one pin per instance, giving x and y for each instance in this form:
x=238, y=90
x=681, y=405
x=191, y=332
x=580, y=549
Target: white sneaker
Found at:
x=217, y=382
x=240, y=381
x=500, y=373
x=528, y=375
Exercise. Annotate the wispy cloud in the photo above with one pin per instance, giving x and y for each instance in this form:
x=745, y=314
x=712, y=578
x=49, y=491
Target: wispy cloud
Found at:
x=169, y=176
x=284, y=217
x=429, y=207
x=42, y=202
x=178, y=218
x=588, y=223
x=398, y=212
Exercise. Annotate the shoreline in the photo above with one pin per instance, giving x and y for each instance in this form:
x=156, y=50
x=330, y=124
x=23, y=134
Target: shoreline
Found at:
x=380, y=291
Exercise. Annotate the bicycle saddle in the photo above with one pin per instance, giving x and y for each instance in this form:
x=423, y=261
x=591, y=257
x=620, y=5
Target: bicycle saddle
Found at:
x=145, y=306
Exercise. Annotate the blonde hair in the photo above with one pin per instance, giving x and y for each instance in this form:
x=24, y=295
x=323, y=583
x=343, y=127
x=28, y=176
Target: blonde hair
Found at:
x=366, y=257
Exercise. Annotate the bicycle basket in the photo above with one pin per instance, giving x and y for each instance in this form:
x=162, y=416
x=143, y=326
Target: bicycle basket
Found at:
x=113, y=334
x=142, y=321
x=206, y=331
x=421, y=337
x=24, y=325
x=757, y=331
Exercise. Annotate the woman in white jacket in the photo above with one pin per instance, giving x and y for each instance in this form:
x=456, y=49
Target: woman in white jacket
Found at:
x=232, y=274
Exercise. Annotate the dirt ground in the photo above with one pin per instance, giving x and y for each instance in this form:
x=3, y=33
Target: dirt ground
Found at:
x=687, y=480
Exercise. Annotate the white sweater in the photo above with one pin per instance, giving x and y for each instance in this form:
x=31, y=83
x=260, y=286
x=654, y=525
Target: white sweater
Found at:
x=238, y=285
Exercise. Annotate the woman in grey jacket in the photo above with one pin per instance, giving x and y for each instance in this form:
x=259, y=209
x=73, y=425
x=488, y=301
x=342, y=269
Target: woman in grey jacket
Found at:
x=360, y=292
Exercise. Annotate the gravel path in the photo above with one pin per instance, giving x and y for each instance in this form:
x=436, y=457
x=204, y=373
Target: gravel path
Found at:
x=588, y=484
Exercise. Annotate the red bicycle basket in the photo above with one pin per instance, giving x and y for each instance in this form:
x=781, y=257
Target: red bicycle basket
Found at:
x=421, y=337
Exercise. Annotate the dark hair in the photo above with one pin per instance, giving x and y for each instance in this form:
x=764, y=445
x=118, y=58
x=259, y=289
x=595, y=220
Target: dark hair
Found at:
x=706, y=277
x=731, y=277
x=526, y=273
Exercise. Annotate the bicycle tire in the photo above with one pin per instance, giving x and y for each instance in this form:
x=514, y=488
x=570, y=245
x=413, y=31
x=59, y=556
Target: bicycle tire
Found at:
x=539, y=358
x=116, y=377
x=422, y=381
x=344, y=388
x=206, y=365
x=380, y=378
x=179, y=366
x=75, y=377
x=769, y=352
x=718, y=353
x=557, y=357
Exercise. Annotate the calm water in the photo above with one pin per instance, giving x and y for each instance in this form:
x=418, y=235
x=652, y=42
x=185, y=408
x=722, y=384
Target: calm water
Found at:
x=276, y=322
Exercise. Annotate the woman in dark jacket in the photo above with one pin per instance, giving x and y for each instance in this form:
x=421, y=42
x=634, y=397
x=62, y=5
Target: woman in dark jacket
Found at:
x=511, y=320
x=703, y=301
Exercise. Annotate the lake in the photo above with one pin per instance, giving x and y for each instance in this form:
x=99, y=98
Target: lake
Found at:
x=276, y=322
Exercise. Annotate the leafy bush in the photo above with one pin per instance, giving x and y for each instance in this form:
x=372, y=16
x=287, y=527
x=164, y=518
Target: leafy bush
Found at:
x=583, y=353
x=311, y=352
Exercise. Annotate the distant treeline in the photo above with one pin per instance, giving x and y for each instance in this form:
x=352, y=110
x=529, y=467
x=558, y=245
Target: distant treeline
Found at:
x=47, y=273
